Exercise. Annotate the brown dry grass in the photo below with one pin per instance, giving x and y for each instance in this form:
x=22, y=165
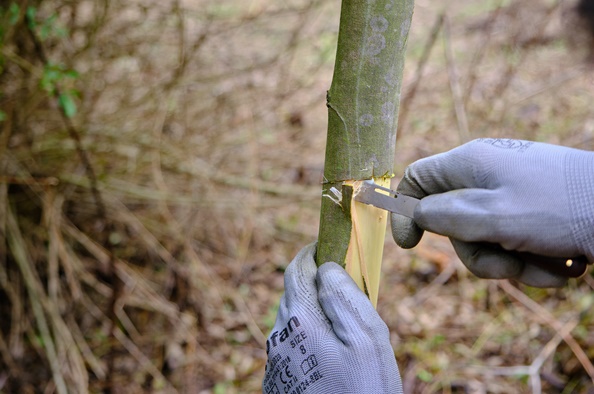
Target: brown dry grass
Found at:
x=204, y=123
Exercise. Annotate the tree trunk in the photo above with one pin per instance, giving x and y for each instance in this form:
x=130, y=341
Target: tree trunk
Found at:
x=363, y=103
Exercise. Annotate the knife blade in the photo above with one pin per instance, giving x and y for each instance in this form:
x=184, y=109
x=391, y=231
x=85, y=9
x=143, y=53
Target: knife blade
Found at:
x=393, y=201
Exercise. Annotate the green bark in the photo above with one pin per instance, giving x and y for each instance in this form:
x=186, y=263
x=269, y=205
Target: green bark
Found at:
x=363, y=103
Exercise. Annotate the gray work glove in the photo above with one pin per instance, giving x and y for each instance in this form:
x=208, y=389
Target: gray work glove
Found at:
x=328, y=338
x=525, y=196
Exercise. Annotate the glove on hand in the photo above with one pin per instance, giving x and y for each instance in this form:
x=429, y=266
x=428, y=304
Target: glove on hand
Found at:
x=327, y=338
x=524, y=196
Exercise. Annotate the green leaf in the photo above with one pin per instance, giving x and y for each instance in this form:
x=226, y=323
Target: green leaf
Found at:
x=53, y=74
x=13, y=12
x=437, y=340
x=48, y=80
x=45, y=31
x=2, y=116
x=71, y=74
x=30, y=14
x=67, y=104
x=51, y=28
x=425, y=375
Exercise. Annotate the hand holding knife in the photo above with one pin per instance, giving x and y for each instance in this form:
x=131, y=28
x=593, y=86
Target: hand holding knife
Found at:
x=399, y=203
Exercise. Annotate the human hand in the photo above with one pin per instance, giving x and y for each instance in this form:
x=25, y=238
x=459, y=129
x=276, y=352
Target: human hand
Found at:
x=327, y=338
x=525, y=196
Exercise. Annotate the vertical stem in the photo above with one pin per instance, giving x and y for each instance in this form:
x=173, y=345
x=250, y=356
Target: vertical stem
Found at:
x=363, y=103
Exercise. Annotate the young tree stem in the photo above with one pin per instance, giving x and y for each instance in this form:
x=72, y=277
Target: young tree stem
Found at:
x=363, y=103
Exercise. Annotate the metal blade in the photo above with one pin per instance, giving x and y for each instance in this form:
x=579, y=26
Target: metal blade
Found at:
x=394, y=202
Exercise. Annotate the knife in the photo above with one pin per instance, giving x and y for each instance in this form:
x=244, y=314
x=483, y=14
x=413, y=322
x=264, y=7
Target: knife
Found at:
x=369, y=193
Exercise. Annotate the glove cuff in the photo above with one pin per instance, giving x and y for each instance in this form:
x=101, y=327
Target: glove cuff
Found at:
x=579, y=167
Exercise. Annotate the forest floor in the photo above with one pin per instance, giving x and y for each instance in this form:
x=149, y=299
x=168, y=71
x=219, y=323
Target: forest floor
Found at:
x=204, y=124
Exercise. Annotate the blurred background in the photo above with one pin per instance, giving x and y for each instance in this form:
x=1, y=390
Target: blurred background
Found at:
x=160, y=165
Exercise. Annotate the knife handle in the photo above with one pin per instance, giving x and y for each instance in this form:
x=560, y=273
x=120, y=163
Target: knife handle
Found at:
x=572, y=267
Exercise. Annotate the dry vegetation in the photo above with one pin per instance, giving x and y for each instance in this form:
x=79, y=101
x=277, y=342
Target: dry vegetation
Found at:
x=160, y=166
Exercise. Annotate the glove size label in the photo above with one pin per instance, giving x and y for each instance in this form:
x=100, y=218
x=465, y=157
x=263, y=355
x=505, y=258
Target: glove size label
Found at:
x=291, y=369
x=298, y=338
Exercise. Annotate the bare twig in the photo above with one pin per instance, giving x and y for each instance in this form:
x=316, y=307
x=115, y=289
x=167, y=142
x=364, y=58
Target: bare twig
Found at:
x=455, y=87
x=479, y=54
x=557, y=82
x=513, y=68
x=36, y=294
x=433, y=288
x=418, y=77
x=129, y=345
x=72, y=131
x=544, y=315
x=91, y=174
x=534, y=369
x=97, y=366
